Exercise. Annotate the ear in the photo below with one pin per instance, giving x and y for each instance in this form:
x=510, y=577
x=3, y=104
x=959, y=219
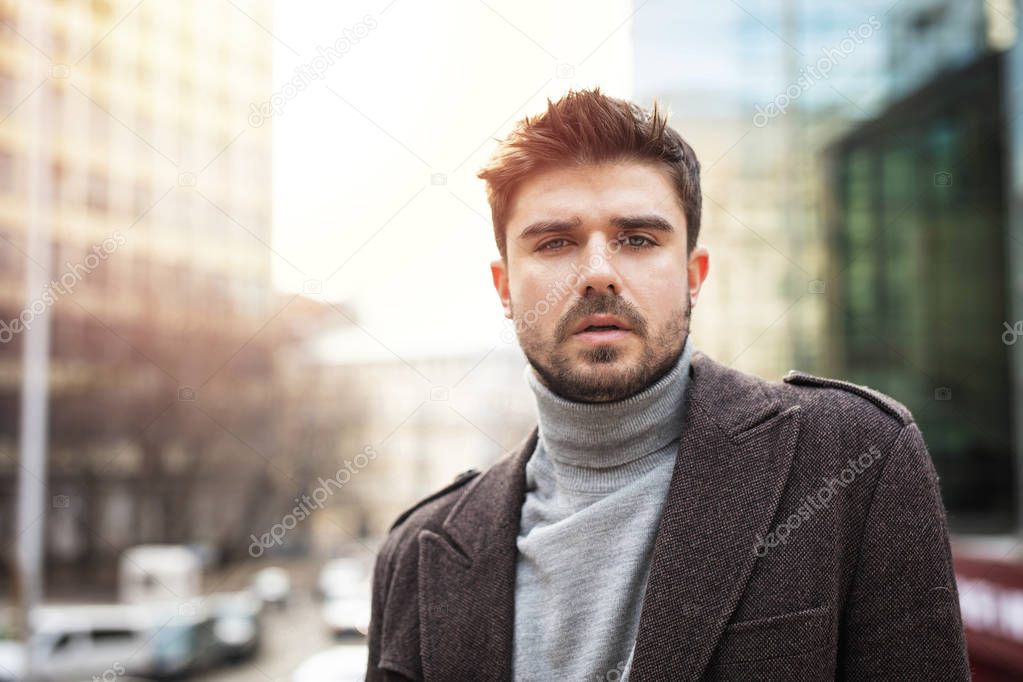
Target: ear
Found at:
x=699, y=266
x=499, y=272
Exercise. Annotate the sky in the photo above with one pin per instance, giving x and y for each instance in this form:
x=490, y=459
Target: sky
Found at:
x=383, y=112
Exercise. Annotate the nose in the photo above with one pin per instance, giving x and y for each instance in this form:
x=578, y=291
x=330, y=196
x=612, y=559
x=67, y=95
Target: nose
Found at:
x=597, y=269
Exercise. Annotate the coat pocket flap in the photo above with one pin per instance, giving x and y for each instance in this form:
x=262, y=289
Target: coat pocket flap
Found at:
x=785, y=634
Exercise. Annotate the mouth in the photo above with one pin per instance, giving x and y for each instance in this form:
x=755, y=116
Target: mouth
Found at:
x=601, y=329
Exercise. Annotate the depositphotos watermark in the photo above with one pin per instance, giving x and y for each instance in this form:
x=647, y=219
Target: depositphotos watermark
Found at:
x=813, y=503
x=110, y=674
x=1012, y=333
x=613, y=674
x=64, y=286
x=307, y=504
x=314, y=70
x=817, y=71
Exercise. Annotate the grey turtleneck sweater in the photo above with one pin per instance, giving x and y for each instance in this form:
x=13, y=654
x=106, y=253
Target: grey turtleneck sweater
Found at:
x=595, y=488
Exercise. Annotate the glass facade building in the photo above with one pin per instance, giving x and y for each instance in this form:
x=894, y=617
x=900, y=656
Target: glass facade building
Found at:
x=917, y=239
x=855, y=162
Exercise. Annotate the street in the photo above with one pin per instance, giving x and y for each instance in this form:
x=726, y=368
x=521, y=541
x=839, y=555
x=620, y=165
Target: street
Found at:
x=289, y=637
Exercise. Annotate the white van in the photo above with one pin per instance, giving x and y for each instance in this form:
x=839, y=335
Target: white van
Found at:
x=110, y=641
x=158, y=573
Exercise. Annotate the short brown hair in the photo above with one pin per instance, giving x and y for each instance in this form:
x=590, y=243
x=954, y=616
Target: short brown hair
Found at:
x=587, y=126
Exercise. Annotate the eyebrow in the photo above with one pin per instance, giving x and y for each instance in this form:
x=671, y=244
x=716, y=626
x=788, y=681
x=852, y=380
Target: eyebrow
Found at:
x=650, y=222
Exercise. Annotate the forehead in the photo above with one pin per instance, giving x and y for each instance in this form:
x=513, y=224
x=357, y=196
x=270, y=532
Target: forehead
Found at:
x=595, y=192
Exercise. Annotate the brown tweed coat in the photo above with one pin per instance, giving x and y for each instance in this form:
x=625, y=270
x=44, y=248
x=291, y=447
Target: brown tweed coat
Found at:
x=803, y=538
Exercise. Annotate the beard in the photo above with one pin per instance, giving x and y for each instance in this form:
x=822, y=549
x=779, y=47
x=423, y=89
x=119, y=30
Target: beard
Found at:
x=572, y=375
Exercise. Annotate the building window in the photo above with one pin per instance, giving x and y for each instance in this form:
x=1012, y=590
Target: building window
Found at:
x=97, y=196
x=6, y=172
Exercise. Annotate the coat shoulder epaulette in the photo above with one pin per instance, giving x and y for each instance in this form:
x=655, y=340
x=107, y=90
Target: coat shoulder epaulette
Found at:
x=460, y=480
x=882, y=400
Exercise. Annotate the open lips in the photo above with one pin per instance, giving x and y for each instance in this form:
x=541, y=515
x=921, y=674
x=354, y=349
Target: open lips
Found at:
x=598, y=323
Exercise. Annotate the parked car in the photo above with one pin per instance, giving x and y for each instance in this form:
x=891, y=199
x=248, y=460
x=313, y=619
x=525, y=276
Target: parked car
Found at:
x=273, y=586
x=12, y=660
x=237, y=624
x=344, y=577
x=78, y=641
x=344, y=586
x=347, y=616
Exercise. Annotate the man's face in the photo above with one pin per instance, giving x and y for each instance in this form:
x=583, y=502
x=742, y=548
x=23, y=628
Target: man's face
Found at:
x=590, y=248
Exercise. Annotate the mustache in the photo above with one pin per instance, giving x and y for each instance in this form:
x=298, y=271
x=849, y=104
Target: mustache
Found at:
x=607, y=304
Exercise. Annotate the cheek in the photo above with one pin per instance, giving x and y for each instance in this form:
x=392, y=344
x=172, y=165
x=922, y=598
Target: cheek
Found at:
x=528, y=286
x=521, y=293
x=658, y=293
x=657, y=280
x=539, y=302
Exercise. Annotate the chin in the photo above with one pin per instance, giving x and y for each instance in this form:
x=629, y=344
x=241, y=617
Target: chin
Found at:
x=603, y=357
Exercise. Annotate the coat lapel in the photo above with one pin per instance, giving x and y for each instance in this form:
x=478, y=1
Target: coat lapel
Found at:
x=734, y=459
x=467, y=576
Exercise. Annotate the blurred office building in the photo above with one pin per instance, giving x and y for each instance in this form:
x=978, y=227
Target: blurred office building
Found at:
x=157, y=191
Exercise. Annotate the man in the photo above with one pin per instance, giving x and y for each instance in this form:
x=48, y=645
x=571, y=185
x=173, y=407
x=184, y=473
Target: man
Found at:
x=668, y=517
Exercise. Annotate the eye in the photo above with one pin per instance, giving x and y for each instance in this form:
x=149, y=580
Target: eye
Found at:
x=638, y=241
x=552, y=245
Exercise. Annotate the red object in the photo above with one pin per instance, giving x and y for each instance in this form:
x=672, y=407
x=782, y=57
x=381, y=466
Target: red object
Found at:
x=991, y=601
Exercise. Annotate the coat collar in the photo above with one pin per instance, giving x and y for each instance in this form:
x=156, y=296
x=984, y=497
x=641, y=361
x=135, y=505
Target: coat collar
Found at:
x=734, y=458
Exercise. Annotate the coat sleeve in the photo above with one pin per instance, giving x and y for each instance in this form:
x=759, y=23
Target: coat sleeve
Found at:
x=902, y=620
x=382, y=573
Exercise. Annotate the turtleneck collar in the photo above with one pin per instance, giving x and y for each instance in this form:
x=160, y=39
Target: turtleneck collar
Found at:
x=603, y=435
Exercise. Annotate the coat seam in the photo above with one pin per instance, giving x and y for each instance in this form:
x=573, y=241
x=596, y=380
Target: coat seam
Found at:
x=893, y=447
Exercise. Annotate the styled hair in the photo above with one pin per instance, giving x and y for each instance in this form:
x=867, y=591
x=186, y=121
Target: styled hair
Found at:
x=585, y=127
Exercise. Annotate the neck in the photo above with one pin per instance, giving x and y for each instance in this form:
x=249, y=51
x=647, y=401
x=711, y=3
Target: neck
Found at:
x=601, y=435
